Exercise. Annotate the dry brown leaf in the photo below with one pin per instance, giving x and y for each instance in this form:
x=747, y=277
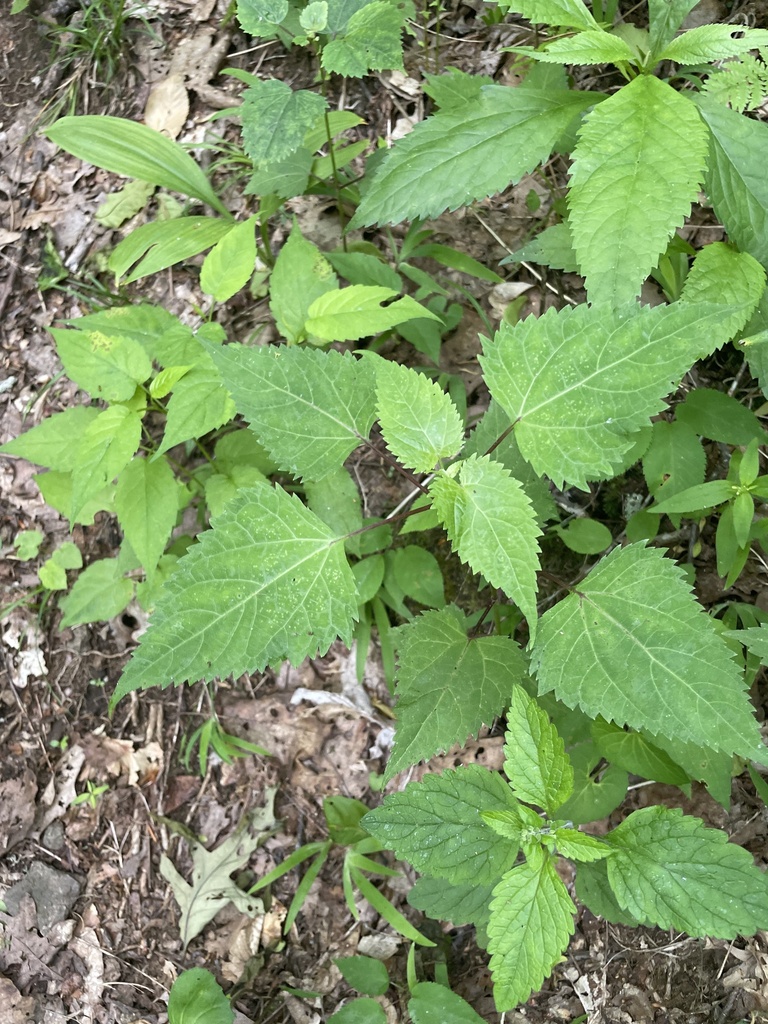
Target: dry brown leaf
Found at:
x=167, y=106
x=22, y=946
x=17, y=809
x=14, y=1008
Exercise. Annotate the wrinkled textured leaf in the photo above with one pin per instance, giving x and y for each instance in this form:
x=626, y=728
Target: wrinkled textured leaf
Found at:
x=447, y=684
x=357, y=312
x=466, y=903
x=637, y=168
x=536, y=763
x=707, y=43
x=268, y=581
x=633, y=646
x=673, y=871
x=491, y=524
x=531, y=924
x=453, y=158
x=370, y=42
x=576, y=382
x=420, y=423
x=570, y=13
x=147, y=502
x=722, y=274
x=590, y=47
x=276, y=118
x=310, y=409
x=436, y=825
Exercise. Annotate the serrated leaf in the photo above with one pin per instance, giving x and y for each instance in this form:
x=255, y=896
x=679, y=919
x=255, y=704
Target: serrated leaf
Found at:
x=453, y=88
x=268, y=581
x=536, y=763
x=741, y=84
x=229, y=265
x=492, y=526
x=276, y=118
x=735, y=182
x=339, y=13
x=552, y=247
x=530, y=927
x=370, y=42
x=200, y=402
x=674, y=461
x=637, y=168
x=578, y=381
x=633, y=646
x=594, y=890
x=447, y=684
x=99, y=593
x=108, y=366
x=147, y=502
x=196, y=998
x=420, y=423
x=107, y=446
x=466, y=903
x=673, y=871
x=589, y=47
x=212, y=887
x=570, y=13
x=134, y=151
x=310, y=409
x=431, y=1002
x=666, y=17
x=635, y=753
x=436, y=825
x=453, y=158
x=356, y=312
x=301, y=275
x=722, y=274
x=284, y=178
x=142, y=323
x=708, y=43
x=54, y=442
x=257, y=16
x=579, y=846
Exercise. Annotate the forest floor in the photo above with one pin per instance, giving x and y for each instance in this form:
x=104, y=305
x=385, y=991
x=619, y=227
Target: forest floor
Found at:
x=91, y=927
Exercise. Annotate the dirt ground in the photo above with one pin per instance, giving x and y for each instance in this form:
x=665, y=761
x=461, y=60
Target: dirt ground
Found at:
x=91, y=931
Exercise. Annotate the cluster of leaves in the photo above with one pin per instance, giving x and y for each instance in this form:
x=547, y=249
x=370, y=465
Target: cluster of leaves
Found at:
x=629, y=667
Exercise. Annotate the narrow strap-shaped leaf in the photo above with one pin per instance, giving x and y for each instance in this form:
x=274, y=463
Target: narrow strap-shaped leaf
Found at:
x=536, y=763
x=666, y=17
x=637, y=168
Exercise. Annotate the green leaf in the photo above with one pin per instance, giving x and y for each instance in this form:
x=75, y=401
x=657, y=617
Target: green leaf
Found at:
x=594, y=891
x=420, y=423
x=755, y=639
x=741, y=84
x=356, y=312
x=431, y=1002
x=134, y=151
x=276, y=118
x=107, y=446
x=359, y=1011
x=336, y=500
x=666, y=17
x=154, y=247
x=142, y=323
x=120, y=206
x=310, y=409
x=579, y=846
x=466, y=903
x=721, y=274
x=455, y=260
x=585, y=536
x=369, y=575
x=197, y=999
x=314, y=17
x=54, y=442
x=720, y=417
x=453, y=88
x=673, y=871
x=269, y=581
x=200, y=402
x=256, y=17
x=635, y=753
x=708, y=43
x=577, y=382
x=491, y=524
x=461, y=155
x=100, y=593
x=588, y=47
x=531, y=924
x=27, y=544
x=229, y=265
x=56, y=489
x=596, y=792
x=552, y=247
x=715, y=492
x=736, y=182
x=108, y=366
x=637, y=167
x=371, y=42
x=365, y=268
x=674, y=461
x=447, y=684
x=633, y=646
x=147, y=502
x=301, y=275
x=418, y=575
x=284, y=178
x=436, y=825
x=567, y=13
x=364, y=974
x=339, y=13
x=536, y=763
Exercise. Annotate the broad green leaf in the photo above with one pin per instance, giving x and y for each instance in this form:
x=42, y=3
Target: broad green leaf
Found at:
x=637, y=167
x=635, y=753
x=364, y=974
x=567, y=13
x=453, y=88
x=241, y=448
x=715, y=492
x=594, y=890
x=552, y=247
x=56, y=489
x=720, y=417
x=153, y=247
x=722, y=274
x=589, y=47
x=420, y=423
x=268, y=581
x=27, y=544
x=453, y=158
x=276, y=118
x=370, y=42
x=285, y=178
x=310, y=409
x=466, y=903
x=491, y=524
x=578, y=382
x=595, y=793
x=147, y=502
x=339, y=13
x=53, y=572
x=666, y=17
x=369, y=575
x=536, y=763
x=134, y=151
x=200, y=402
x=196, y=998
x=120, y=206
x=356, y=312
x=142, y=323
x=107, y=446
x=314, y=17
x=365, y=268
x=447, y=684
x=708, y=43
x=530, y=927
x=99, y=593
x=436, y=825
x=578, y=846
x=431, y=1002
x=633, y=646
x=257, y=17
x=418, y=575
x=107, y=366
x=229, y=265
x=359, y=1011
x=736, y=182
x=585, y=536
x=336, y=500
x=54, y=442
x=673, y=871
x=301, y=275
x=674, y=461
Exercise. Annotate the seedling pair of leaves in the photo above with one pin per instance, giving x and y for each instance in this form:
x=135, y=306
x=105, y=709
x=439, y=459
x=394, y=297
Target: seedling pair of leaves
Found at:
x=212, y=736
x=467, y=827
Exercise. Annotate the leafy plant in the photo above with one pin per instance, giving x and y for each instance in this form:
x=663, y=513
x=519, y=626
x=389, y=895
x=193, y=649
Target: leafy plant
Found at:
x=196, y=998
